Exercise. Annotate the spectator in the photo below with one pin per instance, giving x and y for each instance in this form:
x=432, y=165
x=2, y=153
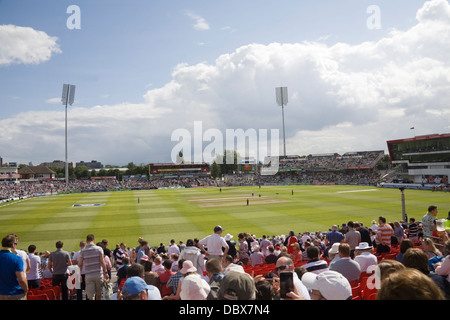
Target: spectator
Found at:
x=405, y=245
x=409, y=284
x=346, y=266
x=290, y=240
x=215, y=243
x=137, y=270
x=428, y=224
x=120, y=254
x=257, y=258
x=161, y=249
x=271, y=257
x=264, y=244
x=352, y=237
x=173, y=248
x=417, y=259
x=58, y=261
x=387, y=266
x=142, y=250
x=374, y=226
x=333, y=237
x=34, y=275
x=284, y=263
x=228, y=265
x=165, y=276
x=333, y=253
x=215, y=274
x=413, y=230
x=243, y=249
x=175, y=278
x=13, y=283
x=364, y=256
x=232, y=248
x=399, y=232
x=264, y=290
x=157, y=265
x=328, y=285
x=237, y=286
x=174, y=260
x=383, y=237
x=193, y=254
x=22, y=254
x=135, y=288
x=75, y=259
x=364, y=232
x=315, y=265
x=443, y=268
x=430, y=249
x=193, y=287
x=122, y=272
x=93, y=259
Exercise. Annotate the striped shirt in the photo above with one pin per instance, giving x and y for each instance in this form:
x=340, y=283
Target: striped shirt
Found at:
x=91, y=255
x=413, y=230
x=384, y=234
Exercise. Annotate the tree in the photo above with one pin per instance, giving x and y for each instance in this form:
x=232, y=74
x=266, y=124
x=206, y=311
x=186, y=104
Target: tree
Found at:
x=180, y=159
x=215, y=170
x=225, y=166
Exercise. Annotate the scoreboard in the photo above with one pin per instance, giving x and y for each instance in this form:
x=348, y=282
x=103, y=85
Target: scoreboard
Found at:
x=247, y=165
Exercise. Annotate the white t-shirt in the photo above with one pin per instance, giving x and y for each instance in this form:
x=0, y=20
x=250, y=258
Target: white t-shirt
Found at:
x=173, y=249
x=35, y=266
x=366, y=259
x=214, y=244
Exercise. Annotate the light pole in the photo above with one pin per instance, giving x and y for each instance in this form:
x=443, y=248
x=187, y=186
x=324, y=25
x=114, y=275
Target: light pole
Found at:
x=404, y=216
x=68, y=95
x=282, y=99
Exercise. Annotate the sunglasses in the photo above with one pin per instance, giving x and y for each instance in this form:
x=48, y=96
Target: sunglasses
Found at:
x=281, y=268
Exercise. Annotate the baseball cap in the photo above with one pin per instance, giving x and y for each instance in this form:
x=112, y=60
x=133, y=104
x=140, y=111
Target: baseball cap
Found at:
x=218, y=228
x=237, y=286
x=133, y=285
x=331, y=284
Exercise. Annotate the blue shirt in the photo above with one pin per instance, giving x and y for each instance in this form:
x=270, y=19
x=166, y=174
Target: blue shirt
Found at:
x=9, y=265
x=334, y=236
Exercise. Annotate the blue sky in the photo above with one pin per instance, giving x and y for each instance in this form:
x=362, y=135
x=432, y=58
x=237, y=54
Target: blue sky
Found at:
x=126, y=49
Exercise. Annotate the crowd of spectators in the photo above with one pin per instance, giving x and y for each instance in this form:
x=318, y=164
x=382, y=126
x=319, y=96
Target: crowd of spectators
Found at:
x=333, y=161
x=412, y=258
x=25, y=189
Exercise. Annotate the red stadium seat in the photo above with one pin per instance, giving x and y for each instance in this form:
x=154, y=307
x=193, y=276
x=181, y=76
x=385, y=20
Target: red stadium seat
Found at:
x=38, y=297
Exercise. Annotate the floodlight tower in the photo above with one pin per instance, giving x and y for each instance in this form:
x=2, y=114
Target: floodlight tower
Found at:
x=68, y=95
x=282, y=100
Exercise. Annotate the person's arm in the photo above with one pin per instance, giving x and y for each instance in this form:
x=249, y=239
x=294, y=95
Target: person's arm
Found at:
x=80, y=263
x=23, y=283
x=28, y=265
x=103, y=265
x=226, y=246
x=50, y=265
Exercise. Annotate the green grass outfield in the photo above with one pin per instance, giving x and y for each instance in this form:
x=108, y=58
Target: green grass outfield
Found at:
x=181, y=214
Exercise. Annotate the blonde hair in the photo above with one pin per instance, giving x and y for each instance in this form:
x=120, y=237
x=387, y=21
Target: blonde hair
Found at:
x=430, y=243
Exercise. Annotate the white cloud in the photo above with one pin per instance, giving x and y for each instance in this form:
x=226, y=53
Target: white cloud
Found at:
x=200, y=22
x=25, y=45
x=341, y=98
x=53, y=100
